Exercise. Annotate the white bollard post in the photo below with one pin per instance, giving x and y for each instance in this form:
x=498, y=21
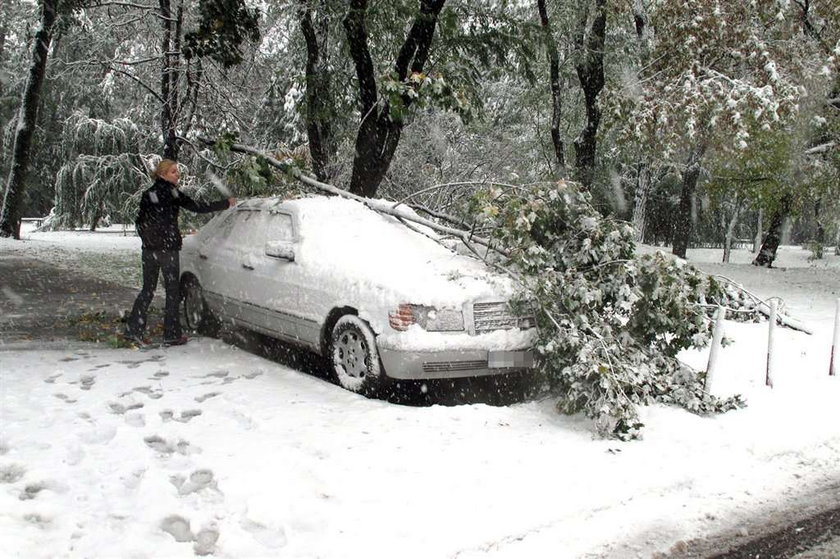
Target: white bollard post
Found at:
x=774, y=308
x=717, y=334
x=835, y=343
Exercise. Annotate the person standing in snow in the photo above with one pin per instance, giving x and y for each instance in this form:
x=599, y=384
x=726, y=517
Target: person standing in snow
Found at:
x=157, y=225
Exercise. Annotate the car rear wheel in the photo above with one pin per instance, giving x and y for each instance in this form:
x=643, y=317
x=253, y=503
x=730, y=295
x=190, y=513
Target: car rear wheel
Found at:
x=197, y=314
x=354, y=356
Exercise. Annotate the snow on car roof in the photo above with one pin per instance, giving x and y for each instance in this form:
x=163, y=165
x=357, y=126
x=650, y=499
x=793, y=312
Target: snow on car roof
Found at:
x=376, y=249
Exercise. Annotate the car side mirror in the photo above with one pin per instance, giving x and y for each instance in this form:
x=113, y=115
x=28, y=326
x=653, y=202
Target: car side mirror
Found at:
x=280, y=249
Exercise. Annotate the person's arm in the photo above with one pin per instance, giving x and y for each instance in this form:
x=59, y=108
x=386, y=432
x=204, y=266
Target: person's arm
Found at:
x=203, y=207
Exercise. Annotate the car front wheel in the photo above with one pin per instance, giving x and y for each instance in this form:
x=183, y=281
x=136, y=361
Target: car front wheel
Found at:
x=197, y=314
x=354, y=356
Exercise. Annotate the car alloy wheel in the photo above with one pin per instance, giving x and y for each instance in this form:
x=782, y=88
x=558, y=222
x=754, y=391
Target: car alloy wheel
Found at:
x=355, y=358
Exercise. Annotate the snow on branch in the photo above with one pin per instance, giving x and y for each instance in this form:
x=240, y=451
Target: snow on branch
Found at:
x=382, y=206
x=763, y=307
x=822, y=148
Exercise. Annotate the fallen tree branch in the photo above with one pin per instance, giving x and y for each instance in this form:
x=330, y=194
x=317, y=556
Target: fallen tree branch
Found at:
x=763, y=307
x=381, y=206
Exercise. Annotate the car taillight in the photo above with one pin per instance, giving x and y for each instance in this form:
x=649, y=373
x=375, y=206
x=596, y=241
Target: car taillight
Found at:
x=402, y=318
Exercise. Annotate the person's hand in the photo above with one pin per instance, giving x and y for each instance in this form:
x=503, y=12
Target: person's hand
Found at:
x=231, y=202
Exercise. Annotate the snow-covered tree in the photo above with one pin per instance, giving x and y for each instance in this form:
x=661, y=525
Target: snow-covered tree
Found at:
x=718, y=70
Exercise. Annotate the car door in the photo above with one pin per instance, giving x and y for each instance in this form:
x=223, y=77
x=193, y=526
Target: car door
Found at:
x=274, y=290
x=222, y=257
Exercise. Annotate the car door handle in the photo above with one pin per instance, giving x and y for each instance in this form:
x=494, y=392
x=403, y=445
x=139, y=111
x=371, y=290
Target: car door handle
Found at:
x=247, y=266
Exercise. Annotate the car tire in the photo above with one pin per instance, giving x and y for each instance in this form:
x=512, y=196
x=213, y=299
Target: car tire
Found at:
x=354, y=356
x=197, y=315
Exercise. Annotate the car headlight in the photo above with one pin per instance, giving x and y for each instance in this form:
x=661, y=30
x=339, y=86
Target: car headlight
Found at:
x=428, y=318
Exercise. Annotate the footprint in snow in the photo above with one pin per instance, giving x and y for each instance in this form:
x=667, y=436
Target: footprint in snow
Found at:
x=132, y=480
x=153, y=393
x=178, y=527
x=163, y=446
x=119, y=408
x=135, y=419
x=52, y=378
x=269, y=537
x=205, y=540
x=207, y=396
x=65, y=397
x=33, y=489
x=37, y=520
x=252, y=375
x=161, y=374
x=10, y=473
x=198, y=480
x=134, y=363
x=4, y=448
x=87, y=381
x=185, y=417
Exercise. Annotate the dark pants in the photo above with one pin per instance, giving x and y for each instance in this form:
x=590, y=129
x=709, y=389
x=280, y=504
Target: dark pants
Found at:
x=155, y=262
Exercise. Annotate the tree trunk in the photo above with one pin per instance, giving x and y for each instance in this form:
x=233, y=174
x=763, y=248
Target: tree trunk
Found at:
x=95, y=217
x=643, y=176
x=379, y=130
x=640, y=200
x=730, y=229
x=556, y=90
x=4, y=26
x=169, y=79
x=759, y=230
x=27, y=117
x=819, y=235
x=773, y=239
x=319, y=113
x=590, y=70
x=685, y=220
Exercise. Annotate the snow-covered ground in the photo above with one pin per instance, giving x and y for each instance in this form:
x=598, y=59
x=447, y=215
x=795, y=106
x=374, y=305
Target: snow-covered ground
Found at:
x=206, y=448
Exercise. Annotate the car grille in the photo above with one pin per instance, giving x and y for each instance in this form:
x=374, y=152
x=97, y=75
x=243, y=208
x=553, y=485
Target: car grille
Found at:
x=488, y=317
x=443, y=366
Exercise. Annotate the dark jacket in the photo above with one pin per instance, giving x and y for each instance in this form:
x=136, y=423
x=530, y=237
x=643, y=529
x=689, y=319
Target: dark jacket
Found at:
x=157, y=220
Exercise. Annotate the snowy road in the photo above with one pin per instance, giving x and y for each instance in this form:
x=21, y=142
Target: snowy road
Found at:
x=207, y=447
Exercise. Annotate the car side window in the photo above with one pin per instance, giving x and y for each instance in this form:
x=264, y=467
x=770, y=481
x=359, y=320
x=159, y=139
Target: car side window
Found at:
x=246, y=229
x=279, y=227
x=222, y=231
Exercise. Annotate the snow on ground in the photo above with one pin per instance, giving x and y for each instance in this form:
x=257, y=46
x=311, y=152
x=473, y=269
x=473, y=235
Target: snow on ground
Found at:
x=209, y=449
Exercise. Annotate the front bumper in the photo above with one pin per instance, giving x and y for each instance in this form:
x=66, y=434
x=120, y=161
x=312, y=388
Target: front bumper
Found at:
x=402, y=364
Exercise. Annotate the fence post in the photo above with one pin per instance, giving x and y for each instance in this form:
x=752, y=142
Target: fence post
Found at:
x=774, y=307
x=717, y=334
x=835, y=342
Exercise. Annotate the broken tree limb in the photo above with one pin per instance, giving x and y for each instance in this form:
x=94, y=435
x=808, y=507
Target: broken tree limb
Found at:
x=382, y=206
x=763, y=307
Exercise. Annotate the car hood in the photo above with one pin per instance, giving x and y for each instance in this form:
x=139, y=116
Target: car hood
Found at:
x=343, y=241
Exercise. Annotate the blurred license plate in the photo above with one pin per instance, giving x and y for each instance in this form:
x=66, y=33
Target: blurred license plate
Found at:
x=502, y=359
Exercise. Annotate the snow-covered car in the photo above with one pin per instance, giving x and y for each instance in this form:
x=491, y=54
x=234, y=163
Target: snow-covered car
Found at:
x=378, y=299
